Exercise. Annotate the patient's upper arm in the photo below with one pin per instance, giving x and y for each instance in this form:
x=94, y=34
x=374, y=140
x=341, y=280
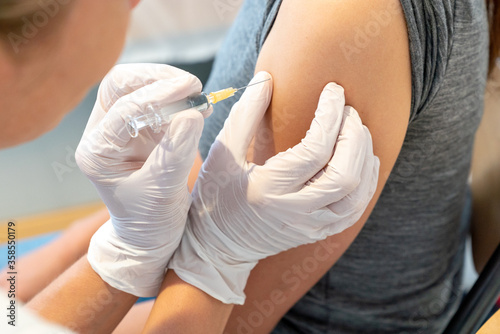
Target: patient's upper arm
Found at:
x=349, y=42
x=312, y=43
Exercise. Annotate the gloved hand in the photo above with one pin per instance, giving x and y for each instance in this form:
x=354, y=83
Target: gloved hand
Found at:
x=142, y=181
x=243, y=212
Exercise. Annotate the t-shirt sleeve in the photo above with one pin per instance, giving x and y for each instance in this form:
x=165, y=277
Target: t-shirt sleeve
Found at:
x=430, y=32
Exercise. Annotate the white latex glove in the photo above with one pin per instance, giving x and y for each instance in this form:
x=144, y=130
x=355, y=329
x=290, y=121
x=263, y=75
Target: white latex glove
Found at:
x=243, y=212
x=142, y=181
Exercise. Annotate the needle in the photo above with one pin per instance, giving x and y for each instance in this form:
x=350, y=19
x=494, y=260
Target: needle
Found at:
x=255, y=83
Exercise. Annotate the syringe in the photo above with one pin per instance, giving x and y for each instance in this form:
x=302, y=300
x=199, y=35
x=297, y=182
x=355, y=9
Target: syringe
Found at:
x=156, y=117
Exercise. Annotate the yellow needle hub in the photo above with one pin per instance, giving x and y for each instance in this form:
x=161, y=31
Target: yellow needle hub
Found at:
x=220, y=95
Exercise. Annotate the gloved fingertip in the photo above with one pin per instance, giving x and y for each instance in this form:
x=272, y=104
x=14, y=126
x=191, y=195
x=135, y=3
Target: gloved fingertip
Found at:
x=260, y=86
x=195, y=82
x=333, y=93
x=330, y=106
x=368, y=135
x=351, y=112
x=189, y=83
x=335, y=88
x=184, y=130
x=168, y=72
x=261, y=76
x=377, y=163
x=352, y=122
x=189, y=120
x=206, y=114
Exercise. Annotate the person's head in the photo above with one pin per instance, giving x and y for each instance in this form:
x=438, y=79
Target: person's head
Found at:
x=51, y=53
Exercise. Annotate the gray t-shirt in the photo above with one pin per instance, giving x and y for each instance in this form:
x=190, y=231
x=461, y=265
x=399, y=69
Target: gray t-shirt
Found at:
x=402, y=273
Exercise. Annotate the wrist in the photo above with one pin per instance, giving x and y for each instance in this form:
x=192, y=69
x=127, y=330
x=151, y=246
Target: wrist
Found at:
x=218, y=274
x=128, y=268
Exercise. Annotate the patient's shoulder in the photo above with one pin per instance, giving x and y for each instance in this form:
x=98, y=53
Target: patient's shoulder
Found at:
x=362, y=45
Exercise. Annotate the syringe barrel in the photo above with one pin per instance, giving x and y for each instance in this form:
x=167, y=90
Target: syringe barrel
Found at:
x=155, y=116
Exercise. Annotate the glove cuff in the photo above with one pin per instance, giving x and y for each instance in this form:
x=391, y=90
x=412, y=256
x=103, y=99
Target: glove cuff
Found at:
x=135, y=271
x=223, y=281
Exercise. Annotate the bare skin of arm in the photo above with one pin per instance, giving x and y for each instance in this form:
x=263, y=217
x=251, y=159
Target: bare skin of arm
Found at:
x=81, y=300
x=377, y=81
x=182, y=308
x=485, y=227
x=41, y=267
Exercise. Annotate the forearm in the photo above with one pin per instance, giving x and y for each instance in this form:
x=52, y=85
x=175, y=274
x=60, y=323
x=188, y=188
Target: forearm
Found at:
x=57, y=256
x=182, y=308
x=81, y=300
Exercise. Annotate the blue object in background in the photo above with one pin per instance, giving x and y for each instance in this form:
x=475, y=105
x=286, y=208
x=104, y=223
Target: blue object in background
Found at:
x=25, y=246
